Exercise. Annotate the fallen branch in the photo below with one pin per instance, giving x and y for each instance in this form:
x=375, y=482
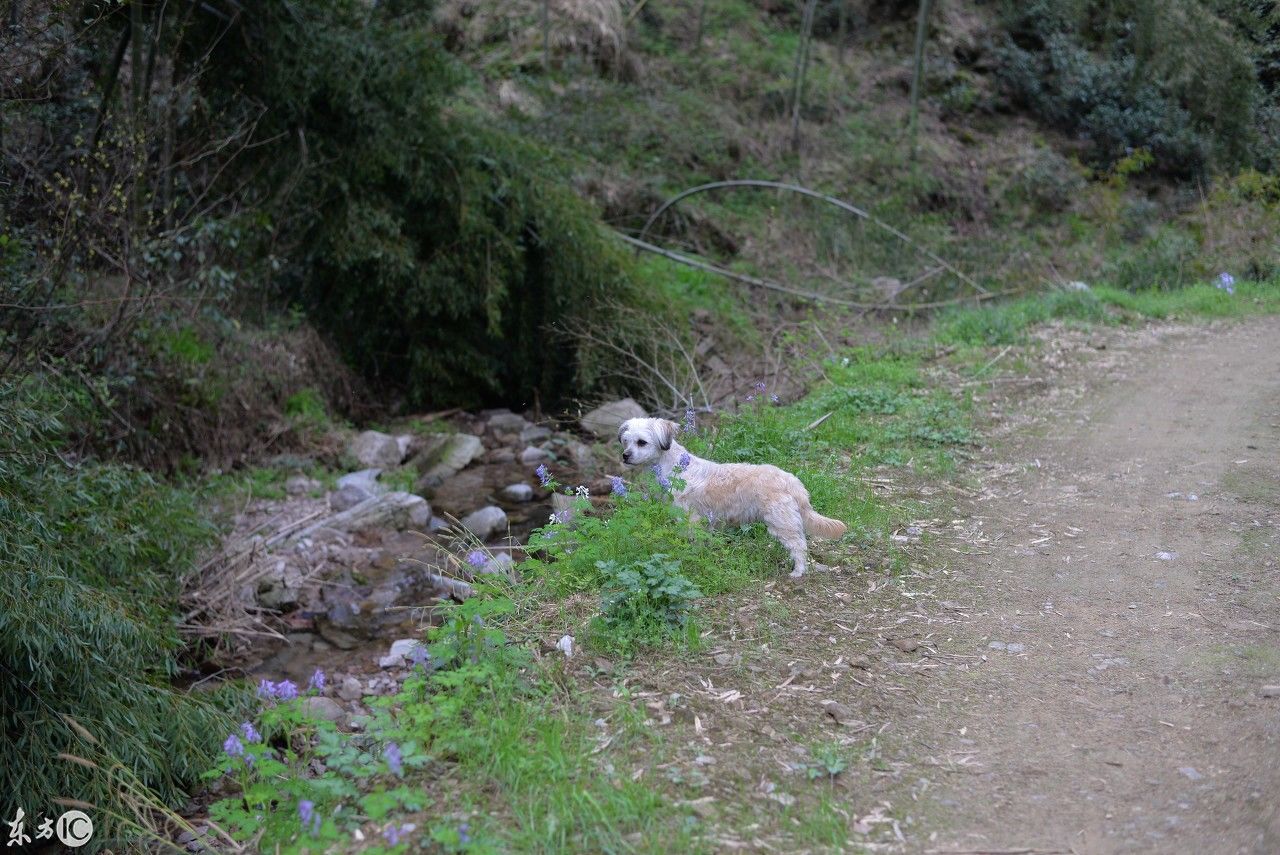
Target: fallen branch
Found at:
x=808, y=295
x=813, y=194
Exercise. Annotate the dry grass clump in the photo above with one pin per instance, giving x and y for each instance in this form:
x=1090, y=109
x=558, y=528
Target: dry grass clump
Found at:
x=590, y=31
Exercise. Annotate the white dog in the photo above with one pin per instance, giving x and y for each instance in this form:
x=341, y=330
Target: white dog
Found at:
x=733, y=493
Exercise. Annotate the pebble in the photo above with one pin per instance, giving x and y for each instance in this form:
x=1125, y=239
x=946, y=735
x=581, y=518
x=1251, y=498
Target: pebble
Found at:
x=1271, y=691
x=517, y=493
x=533, y=454
x=1166, y=556
x=1190, y=773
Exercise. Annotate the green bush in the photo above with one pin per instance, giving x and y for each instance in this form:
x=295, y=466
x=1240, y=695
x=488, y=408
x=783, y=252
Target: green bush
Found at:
x=94, y=556
x=644, y=602
x=443, y=257
x=1168, y=76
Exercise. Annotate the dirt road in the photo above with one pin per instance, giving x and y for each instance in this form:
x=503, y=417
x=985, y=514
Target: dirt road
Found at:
x=1128, y=603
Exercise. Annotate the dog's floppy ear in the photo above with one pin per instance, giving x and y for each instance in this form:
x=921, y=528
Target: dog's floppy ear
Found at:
x=622, y=429
x=665, y=432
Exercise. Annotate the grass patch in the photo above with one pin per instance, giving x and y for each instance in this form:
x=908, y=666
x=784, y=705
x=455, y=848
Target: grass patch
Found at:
x=1010, y=322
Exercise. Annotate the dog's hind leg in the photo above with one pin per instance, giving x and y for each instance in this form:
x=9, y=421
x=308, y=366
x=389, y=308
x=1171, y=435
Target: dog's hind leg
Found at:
x=784, y=522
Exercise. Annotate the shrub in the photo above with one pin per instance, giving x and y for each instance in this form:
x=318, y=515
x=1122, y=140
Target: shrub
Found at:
x=1171, y=77
x=440, y=255
x=644, y=602
x=94, y=558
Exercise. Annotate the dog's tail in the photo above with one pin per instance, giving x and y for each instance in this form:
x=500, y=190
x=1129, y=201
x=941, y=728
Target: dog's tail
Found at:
x=819, y=526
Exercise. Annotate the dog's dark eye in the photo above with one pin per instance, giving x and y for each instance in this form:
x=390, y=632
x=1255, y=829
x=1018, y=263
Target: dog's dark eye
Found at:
x=642, y=442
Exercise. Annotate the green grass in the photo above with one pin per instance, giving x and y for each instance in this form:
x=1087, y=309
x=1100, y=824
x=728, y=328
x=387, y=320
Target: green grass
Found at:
x=1010, y=322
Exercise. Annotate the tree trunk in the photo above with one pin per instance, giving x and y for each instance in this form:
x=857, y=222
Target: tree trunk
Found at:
x=922, y=31
x=702, y=21
x=802, y=66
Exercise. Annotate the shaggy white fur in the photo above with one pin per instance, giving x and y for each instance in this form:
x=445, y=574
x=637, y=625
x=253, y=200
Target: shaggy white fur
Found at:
x=732, y=493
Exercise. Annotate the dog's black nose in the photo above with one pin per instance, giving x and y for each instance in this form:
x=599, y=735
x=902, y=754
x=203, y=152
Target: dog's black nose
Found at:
x=626, y=457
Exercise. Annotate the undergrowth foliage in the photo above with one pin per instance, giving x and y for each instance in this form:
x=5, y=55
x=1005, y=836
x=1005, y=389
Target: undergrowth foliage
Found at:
x=93, y=557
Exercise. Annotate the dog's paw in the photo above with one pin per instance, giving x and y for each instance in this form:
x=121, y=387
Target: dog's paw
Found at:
x=796, y=574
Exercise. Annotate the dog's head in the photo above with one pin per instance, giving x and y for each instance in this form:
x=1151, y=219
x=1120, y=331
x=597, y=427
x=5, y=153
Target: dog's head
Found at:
x=644, y=440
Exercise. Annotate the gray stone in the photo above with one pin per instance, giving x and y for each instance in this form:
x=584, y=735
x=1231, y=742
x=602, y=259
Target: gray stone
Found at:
x=1271, y=691
x=1190, y=773
x=405, y=442
x=501, y=564
x=507, y=422
x=374, y=448
x=365, y=478
x=394, y=510
x=346, y=498
x=485, y=522
x=447, y=458
x=533, y=454
x=402, y=651
x=534, y=434
x=605, y=419
x=351, y=689
x=279, y=587
x=581, y=455
x=517, y=493
x=326, y=709
x=301, y=485
x=420, y=516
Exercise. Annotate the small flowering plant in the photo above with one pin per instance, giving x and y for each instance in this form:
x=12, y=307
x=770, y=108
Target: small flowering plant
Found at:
x=640, y=519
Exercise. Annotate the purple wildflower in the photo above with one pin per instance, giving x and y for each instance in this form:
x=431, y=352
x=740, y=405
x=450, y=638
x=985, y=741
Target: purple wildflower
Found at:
x=233, y=746
x=249, y=759
x=392, y=833
x=1227, y=282
x=684, y=461
x=464, y=833
x=750, y=398
x=774, y=399
x=307, y=813
x=250, y=733
x=618, y=485
x=316, y=683
x=544, y=474
x=286, y=690
x=266, y=689
x=663, y=481
x=419, y=655
x=760, y=387
x=476, y=558
x=689, y=425
x=395, y=760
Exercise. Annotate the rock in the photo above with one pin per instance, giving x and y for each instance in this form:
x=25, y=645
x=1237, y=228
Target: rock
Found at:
x=346, y=498
x=581, y=455
x=366, y=479
x=534, y=434
x=463, y=493
x=374, y=448
x=906, y=645
x=605, y=419
x=565, y=646
x=446, y=458
x=351, y=689
x=998, y=645
x=402, y=651
x=1271, y=691
x=485, y=522
x=841, y=714
x=1190, y=773
x=301, y=485
x=420, y=517
x=507, y=422
x=517, y=493
x=501, y=455
x=394, y=510
x=533, y=454
x=1075, y=285
x=1014, y=647
x=1166, y=556
x=339, y=638
x=280, y=586
x=501, y=563
x=405, y=442
x=326, y=709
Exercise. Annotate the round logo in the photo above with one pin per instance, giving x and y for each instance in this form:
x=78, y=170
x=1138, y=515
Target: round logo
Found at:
x=74, y=828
